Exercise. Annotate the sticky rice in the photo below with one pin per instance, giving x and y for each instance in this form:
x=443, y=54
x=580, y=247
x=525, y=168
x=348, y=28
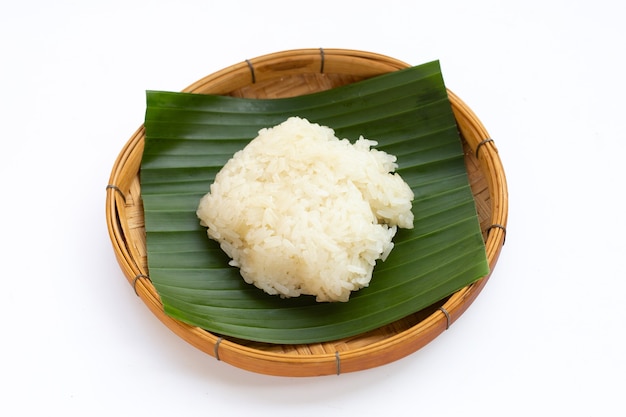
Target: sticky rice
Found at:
x=300, y=211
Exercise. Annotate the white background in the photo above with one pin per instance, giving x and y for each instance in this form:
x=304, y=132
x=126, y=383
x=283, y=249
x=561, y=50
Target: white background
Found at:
x=546, y=335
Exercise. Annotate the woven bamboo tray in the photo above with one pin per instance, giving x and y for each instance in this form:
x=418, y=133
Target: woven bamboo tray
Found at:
x=292, y=73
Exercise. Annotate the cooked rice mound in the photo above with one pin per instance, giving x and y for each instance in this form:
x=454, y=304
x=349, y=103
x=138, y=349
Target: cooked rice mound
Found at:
x=300, y=211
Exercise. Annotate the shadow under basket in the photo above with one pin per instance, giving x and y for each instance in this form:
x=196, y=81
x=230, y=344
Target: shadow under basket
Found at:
x=292, y=73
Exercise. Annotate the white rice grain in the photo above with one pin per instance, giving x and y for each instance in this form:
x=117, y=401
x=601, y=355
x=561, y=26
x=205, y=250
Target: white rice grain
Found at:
x=301, y=211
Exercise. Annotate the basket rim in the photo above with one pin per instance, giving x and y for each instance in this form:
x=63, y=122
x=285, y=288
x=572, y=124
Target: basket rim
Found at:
x=286, y=63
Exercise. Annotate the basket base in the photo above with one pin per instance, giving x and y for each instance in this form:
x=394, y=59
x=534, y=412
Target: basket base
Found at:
x=293, y=73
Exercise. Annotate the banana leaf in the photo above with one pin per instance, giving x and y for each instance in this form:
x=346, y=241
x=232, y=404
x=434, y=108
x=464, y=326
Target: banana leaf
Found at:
x=189, y=137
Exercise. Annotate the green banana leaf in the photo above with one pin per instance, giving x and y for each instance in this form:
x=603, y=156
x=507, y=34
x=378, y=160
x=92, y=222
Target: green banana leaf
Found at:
x=189, y=137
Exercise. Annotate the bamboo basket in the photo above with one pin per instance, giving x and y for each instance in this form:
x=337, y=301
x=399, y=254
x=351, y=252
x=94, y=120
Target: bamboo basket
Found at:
x=291, y=73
